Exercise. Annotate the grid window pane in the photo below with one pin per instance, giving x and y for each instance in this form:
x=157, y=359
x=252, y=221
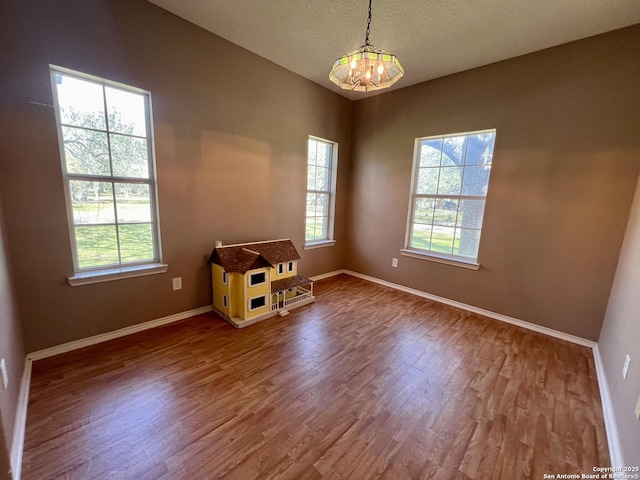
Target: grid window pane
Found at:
x=97, y=245
x=448, y=196
x=313, y=146
x=104, y=133
x=129, y=156
x=92, y=202
x=126, y=112
x=86, y=151
x=322, y=179
x=319, y=190
x=133, y=203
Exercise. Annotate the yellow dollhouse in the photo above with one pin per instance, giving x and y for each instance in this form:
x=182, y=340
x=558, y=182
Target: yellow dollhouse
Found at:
x=255, y=281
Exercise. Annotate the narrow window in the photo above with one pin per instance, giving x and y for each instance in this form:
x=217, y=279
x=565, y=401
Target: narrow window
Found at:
x=290, y=266
x=322, y=162
x=280, y=268
x=106, y=145
x=448, y=194
x=225, y=301
x=257, y=302
x=257, y=278
x=224, y=277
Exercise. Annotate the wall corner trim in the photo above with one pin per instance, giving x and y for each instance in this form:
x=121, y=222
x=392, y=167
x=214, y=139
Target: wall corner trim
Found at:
x=613, y=438
x=20, y=423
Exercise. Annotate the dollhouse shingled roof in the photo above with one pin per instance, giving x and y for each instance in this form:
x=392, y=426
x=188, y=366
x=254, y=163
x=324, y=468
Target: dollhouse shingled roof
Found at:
x=248, y=256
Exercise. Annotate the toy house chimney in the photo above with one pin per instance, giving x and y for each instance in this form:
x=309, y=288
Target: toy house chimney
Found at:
x=218, y=243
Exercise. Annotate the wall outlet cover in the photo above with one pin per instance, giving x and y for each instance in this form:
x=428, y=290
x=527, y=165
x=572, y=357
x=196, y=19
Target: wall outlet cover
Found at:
x=394, y=262
x=177, y=283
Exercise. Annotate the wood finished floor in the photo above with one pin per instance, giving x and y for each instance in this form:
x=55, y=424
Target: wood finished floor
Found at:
x=366, y=383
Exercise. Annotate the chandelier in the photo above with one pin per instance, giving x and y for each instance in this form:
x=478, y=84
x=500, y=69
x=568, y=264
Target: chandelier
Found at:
x=367, y=68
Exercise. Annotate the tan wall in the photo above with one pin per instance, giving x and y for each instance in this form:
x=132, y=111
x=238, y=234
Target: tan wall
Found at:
x=566, y=160
x=619, y=337
x=231, y=134
x=11, y=349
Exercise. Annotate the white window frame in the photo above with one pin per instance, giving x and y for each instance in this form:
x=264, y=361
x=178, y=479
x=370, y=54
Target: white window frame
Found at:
x=290, y=267
x=280, y=268
x=97, y=274
x=409, y=250
x=225, y=277
x=254, y=284
x=264, y=297
x=331, y=192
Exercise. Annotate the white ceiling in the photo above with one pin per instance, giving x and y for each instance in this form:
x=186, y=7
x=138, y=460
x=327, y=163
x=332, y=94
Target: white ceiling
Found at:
x=431, y=38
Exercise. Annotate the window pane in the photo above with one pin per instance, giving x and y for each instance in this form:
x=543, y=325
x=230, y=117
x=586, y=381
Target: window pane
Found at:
x=92, y=202
x=311, y=204
x=136, y=243
x=467, y=242
x=442, y=239
x=86, y=151
x=446, y=211
x=311, y=177
x=421, y=236
x=453, y=150
x=476, y=180
x=129, y=156
x=97, y=246
x=480, y=149
x=427, y=180
x=322, y=179
x=126, y=112
x=81, y=102
x=322, y=204
x=423, y=210
x=430, y=153
x=310, y=225
x=450, y=179
x=311, y=159
x=323, y=158
x=470, y=214
x=133, y=203
x=321, y=228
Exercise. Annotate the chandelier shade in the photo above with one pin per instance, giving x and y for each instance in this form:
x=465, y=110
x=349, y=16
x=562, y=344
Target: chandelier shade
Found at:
x=367, y=68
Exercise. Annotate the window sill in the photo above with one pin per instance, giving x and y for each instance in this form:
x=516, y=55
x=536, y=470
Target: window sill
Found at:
x=111, y=274
x=323, y=243
x=447, y=260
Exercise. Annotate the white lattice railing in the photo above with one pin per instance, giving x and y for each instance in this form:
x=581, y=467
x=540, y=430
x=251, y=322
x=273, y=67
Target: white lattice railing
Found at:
x=301, y=294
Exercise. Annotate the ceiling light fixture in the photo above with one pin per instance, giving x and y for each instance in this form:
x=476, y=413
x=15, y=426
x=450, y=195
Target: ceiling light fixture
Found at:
x=367, y=68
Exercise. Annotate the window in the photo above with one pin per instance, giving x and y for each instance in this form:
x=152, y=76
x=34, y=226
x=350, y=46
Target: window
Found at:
x=225, y=301
x=224, y=277
x=280, y=268
x=257, y=302
x=257, y=278
x=321, y=180
x=449, y=188
x=290, y=267
x=106, y=146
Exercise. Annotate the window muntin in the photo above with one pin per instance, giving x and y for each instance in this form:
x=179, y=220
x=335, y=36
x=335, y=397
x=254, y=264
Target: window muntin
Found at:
x=449, y=189
x=106, y=145
x=257, y=278
x=321, y=179
x=257, y=302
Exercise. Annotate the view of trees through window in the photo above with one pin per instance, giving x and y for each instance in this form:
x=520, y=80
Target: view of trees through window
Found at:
x=319, y=190
x=108, y=170
x=451, y=178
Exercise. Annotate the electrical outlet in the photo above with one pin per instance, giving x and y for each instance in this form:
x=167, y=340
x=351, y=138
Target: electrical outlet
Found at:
x=3, y=371
x=638, y=408
x=394, y=262
x=177, y=283
x=625, y=368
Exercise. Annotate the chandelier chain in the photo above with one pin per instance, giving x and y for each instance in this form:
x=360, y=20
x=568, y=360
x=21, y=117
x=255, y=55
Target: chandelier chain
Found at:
x=368, y=26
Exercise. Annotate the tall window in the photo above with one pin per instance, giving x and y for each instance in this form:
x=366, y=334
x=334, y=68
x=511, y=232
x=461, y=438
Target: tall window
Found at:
x=450, y=181
x=108, y=166
x=321, y=180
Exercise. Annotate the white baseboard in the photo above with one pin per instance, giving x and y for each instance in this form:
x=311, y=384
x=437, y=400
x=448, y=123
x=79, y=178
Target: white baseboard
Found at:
x=322, y=276
x=613, y=438
x=481, y=311
x=17, y=447
x=104, y=337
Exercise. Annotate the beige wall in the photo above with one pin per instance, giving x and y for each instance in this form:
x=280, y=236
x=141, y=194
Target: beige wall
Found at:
x=566, y=160
x=11, y=349
x=620, y=335
x=5, y=467
x=231, y=135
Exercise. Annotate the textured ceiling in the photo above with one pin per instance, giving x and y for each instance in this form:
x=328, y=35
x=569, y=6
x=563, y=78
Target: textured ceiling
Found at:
x=432, y=38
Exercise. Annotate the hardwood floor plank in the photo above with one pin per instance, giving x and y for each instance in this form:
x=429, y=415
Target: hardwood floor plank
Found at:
x=367, y=382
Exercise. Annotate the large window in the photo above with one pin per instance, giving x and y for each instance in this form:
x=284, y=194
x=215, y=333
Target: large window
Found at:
x=321, y=180
x=108, y=166
x=449, y=188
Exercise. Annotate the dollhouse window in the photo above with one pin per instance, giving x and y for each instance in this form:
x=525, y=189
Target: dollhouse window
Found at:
x=257, y=278
x=257, y=302
x=224, y=277
x=290, y=266
x=280, y=268
x=225, y=301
